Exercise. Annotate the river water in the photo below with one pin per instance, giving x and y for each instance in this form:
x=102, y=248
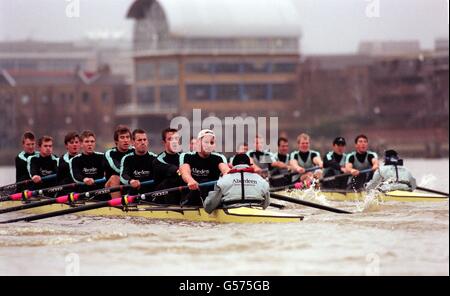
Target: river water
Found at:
x=384, y=239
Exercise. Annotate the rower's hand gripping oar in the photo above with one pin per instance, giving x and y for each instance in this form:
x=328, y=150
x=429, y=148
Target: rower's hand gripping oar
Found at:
x=123, y=201
x=70, y=198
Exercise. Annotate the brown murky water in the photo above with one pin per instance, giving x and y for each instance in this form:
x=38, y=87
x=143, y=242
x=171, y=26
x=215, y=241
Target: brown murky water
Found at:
x=384, y=239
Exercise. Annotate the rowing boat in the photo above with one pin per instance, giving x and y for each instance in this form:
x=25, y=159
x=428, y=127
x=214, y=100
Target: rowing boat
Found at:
x=397, y=195
x=242, y=214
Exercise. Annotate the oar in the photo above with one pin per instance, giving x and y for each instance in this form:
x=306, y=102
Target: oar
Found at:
x=12, y=187
x=308, y=203
x=28, y=194
x=124, y=200
x=276, y=177
x=432, y=191
x=332, y=178
x=326, y=179
x=69, y=198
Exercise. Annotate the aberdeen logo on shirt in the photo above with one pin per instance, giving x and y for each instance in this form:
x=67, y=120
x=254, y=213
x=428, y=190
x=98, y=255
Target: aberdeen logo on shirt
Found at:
x=90, y=171
x=45, y=172
x=141, y=173
x=200, y=173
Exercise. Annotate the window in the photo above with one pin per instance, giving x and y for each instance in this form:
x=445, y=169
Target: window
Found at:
x=256, y=67
x=226, y=68
x=169, y=95
x=168, y=70
x=145, y=71
x=201, y=68
x=199, y=92
x=284, y=67
x=256, y=92
x=146, y=95
x=85, y=97
x=62, y=97
x=283, y=91
x=228, y=92
x=105, y=97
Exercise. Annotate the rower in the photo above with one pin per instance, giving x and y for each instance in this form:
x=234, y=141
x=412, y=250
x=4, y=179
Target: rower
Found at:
x=241, y=186
x=280, y=168
x=242, y=148
x=137, y=166
x=360, y=159
x=202, y=166
x=73, y=146
x=392, y=176
x=167, y=164
x=262, y=160
x=305, y=158
x=334, y=164
x=113, y=157
x=21, y=160
x=88, y=166
x=193, y=144
x=43, y=164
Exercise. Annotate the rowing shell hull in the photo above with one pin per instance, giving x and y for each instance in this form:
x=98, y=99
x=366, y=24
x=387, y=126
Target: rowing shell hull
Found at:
x=232, y=215
x=398, y=195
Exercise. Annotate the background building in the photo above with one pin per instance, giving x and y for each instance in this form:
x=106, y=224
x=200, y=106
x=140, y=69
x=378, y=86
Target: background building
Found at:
x=206, y=54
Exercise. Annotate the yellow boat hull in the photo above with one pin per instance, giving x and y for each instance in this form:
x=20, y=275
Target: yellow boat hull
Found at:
x=398, y=195
x=231, y=215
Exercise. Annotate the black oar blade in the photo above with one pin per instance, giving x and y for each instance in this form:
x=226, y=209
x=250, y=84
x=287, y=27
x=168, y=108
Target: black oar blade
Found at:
x=308, y=203
x=432, y=191
x=28, y=206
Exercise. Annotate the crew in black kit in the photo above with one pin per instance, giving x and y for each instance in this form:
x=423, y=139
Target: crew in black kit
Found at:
x=137, y=167
x=44, y=164
x=113, y=157
x=202, y=166
x=88, y=166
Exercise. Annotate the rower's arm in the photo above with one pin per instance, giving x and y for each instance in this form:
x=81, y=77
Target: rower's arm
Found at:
x=375, y=164
x=318, y=161
x=125, y=171
x=280, y=164
x=213, y=200
x=224, y=168
x=294, y=164
x=349, y=167
x=375, y=181
x=185, y=172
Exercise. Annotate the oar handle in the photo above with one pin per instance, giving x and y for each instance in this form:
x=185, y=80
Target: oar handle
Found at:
x=94, y=193
x=331, y=178
x=49, y=177
x=165, y=192
x=294, y=173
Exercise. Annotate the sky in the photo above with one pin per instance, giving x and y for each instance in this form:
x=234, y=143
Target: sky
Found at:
x=328, y=26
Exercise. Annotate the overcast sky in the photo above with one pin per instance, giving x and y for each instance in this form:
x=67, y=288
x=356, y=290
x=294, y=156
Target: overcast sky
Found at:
x=329, y=26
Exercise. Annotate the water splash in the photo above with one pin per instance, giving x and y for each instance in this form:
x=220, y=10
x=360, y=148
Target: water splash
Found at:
x=428, y=180
x=371, y=202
